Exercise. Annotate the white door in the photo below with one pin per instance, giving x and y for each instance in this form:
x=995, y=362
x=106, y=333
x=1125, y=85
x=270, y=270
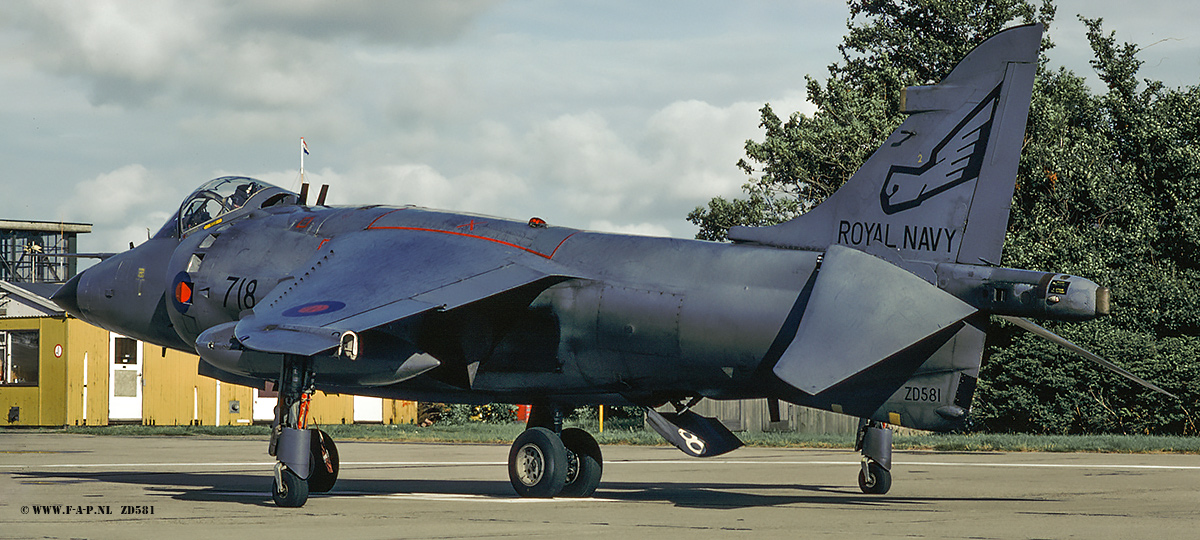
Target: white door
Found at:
x=125, y=378
x=264, y=405
x=368, y=409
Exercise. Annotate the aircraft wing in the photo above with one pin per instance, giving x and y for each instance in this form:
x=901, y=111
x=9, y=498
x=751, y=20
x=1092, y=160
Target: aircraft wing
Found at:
x=360, y=281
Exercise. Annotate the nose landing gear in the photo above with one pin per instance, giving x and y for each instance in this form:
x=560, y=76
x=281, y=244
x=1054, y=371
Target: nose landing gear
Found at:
x=308, y=458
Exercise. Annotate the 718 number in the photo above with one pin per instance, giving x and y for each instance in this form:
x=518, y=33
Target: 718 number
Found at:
x=242, y=290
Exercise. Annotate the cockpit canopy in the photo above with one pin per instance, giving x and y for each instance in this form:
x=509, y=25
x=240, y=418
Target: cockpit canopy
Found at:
x=211, y=202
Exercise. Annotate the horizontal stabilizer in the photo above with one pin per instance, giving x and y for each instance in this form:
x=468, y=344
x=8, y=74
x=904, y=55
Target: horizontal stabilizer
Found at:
x=862, y=311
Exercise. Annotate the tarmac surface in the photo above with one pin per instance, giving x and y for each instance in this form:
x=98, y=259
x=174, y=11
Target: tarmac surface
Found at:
x=208, y=487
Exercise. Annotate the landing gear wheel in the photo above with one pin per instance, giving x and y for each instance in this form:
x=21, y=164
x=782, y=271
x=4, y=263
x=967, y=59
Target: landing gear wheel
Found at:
x=293, y=493
x=585, y=464
x=875, y=480
x=324, y=462
x=537, y=464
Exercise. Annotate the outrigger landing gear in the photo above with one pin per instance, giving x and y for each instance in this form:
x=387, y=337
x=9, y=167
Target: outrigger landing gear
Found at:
x=547, y=460
x=875, y=441
x=308, y=459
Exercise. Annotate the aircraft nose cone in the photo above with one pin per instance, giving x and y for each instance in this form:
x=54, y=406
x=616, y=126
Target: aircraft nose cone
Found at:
x=67, y=296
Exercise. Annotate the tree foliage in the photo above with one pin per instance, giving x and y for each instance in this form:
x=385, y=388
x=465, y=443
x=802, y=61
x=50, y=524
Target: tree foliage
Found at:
x=1106, y=189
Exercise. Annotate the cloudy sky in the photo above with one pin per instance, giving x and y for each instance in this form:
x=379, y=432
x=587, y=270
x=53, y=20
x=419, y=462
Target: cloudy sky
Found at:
x=609, y=115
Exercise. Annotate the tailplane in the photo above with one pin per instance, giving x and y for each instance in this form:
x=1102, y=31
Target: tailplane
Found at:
x=940, y=187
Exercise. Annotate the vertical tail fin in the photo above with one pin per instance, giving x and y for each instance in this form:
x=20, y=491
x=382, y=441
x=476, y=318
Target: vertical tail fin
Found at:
x=940, y=187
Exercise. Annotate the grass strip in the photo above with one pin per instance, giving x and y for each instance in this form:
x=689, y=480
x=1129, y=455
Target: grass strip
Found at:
x=636, y=435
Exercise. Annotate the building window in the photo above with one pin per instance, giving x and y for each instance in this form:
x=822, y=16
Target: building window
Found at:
x=19, y=357
x=125, y=350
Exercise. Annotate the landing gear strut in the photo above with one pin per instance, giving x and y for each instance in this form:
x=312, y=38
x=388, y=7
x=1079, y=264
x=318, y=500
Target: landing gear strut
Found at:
x=875, y=441
x=308, y=459
x=547, y=460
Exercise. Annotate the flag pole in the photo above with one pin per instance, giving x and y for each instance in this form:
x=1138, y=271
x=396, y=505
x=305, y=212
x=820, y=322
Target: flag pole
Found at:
x=302, y=152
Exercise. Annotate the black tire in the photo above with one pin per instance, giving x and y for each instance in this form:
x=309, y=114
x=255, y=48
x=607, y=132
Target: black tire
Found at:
x=585, y=465
x=293, y=493
x=537, y=464
x=322, y=479
x=879, y=482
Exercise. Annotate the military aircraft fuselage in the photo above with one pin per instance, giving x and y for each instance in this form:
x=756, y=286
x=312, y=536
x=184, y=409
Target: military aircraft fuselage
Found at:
x=648, y=314
x=622, y=319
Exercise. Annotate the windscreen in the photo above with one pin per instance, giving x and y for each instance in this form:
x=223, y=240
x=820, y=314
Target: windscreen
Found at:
x=215, y=199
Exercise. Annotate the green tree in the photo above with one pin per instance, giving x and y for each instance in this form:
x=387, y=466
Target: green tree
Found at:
x=1106, y=189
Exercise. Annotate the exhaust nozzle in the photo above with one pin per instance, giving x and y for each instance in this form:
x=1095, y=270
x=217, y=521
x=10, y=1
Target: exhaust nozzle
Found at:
x=1102, y=295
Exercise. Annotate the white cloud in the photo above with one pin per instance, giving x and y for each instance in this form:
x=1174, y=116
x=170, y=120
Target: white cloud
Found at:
x=642, y=229
x=696, y=145
x=256, y=126
x=122, y=205
x=110, y=196
x=138, y=41
x=678, y=158
x=259, y=54
x=404, y=23
x=581, y=152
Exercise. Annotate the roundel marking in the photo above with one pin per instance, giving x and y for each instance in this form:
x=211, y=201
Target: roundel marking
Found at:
x=181, y=292
x=314, y=308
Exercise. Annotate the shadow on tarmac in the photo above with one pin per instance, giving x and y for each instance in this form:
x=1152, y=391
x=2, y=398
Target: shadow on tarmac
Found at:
x=254, y=489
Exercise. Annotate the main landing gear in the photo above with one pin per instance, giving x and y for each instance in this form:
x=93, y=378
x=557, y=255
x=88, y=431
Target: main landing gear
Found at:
x=308, y=459
x=547, y=460
x=875, y=441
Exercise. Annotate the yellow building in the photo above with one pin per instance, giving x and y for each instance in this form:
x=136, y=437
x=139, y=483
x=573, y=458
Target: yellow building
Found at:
x=56, y=370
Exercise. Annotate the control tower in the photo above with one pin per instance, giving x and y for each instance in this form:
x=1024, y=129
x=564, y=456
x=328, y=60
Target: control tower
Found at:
x=26, y=249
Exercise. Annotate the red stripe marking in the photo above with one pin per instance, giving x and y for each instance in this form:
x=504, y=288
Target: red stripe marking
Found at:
x=470, y=226
x=509, y=244
x=560, y=243
x=381, y=216
x=372, y=226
